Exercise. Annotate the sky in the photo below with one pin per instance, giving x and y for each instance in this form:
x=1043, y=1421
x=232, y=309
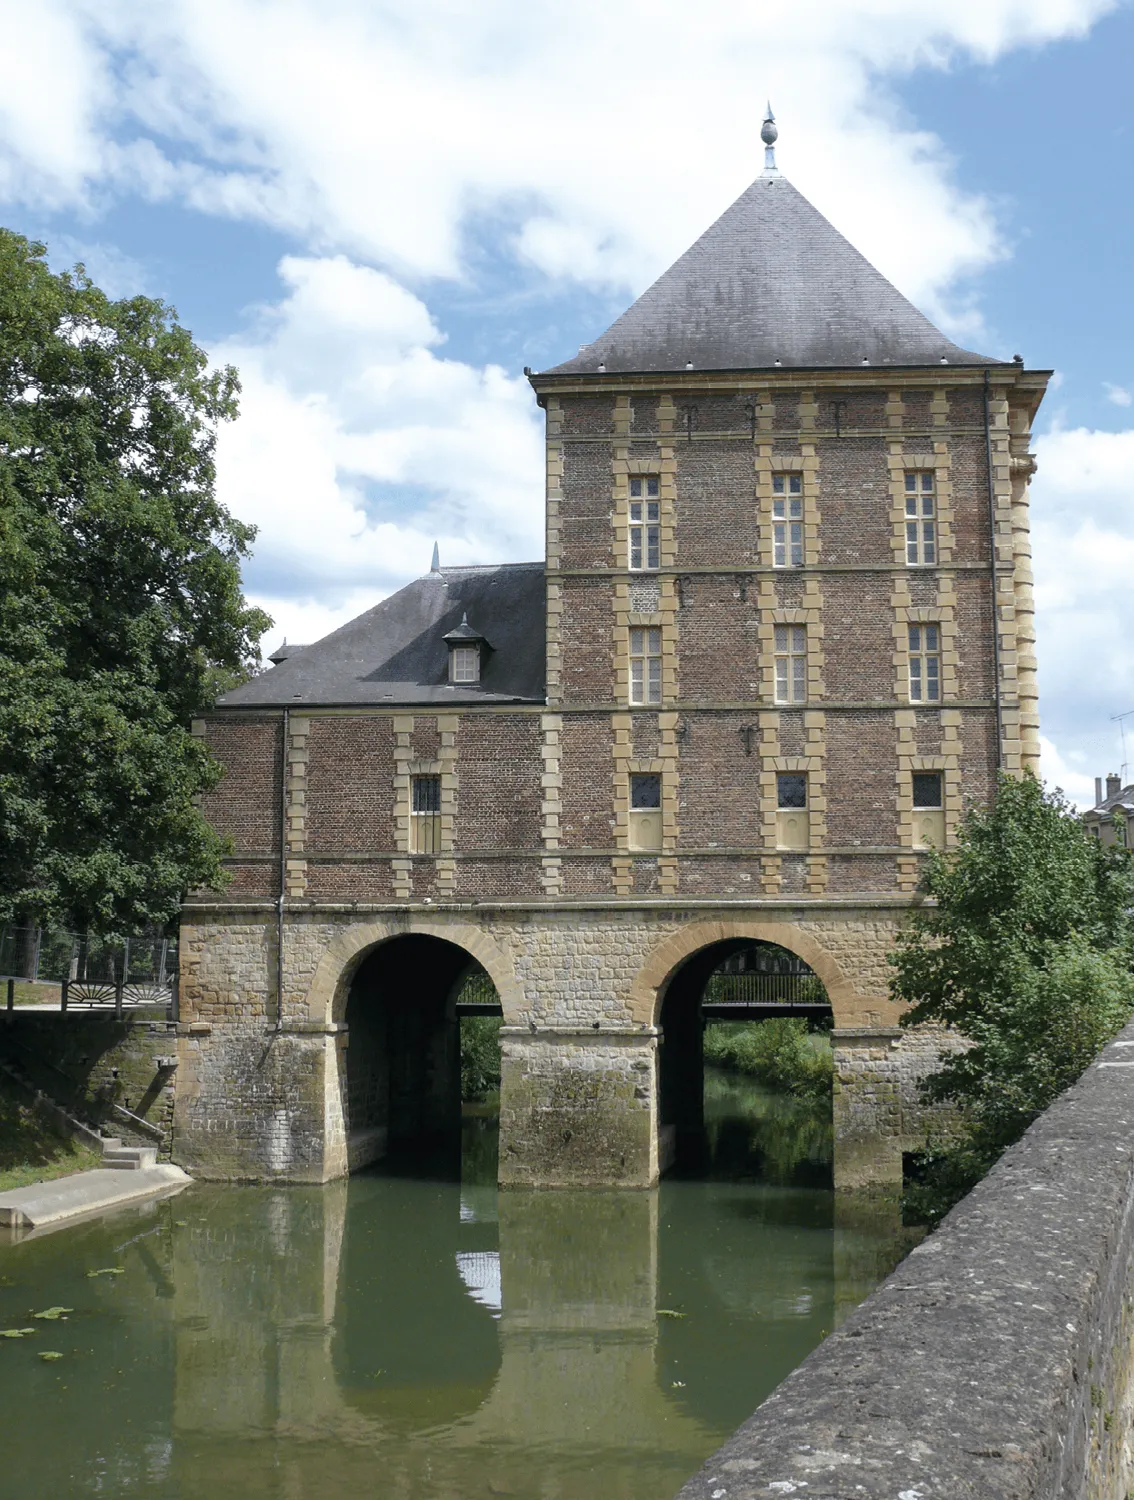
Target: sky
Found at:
x=381, y=210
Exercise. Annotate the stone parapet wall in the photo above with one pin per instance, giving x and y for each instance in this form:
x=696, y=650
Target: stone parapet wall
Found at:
x=998, y=1359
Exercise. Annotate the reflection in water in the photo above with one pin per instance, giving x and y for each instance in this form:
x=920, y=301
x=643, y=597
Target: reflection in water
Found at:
x=408, y=1337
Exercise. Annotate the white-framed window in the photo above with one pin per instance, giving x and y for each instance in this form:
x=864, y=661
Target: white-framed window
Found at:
x=925, y=663
x=787, y=520
x=645, y=523
x=791, y=664
x=792, y=827
x=645, y=810
x=921, y=518
x=645, y=664
x=464, y=664
x=425, y=815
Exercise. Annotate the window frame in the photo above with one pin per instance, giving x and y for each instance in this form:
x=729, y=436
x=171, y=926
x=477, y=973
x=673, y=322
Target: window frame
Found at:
x=644, y=831
x=459, y=654
x=644, y=524
x=920, y=525
x=791, y=683
x=425, y=822
x=645, y=683
x=787, y=520
x=923, y=663
x=939, y=778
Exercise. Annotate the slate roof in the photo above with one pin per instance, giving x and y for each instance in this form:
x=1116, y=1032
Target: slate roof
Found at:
x=1124, y=797
x=770, y=284
x=396, y=652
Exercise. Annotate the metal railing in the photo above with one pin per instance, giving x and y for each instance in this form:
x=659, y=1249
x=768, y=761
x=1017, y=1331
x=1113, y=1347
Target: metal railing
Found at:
x=89, y=971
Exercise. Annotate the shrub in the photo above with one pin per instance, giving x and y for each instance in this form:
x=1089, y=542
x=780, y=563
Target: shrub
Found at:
x=778, y=1053
x=480, y=1056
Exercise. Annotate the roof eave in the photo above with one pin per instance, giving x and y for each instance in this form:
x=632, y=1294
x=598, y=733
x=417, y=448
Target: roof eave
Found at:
x=1004, y=370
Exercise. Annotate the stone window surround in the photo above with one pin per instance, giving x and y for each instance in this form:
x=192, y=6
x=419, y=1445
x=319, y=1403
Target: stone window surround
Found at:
x=900, y=463
x=942, y=615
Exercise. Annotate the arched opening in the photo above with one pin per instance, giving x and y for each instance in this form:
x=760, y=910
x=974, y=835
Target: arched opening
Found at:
x=744, y=1065
x=406, y=1054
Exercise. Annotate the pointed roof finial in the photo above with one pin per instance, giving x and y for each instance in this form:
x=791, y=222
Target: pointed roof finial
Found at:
x=435, y=565
x=769, y=135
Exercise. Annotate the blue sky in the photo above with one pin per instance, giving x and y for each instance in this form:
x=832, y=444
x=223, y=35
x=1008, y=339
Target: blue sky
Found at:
x=382, y=211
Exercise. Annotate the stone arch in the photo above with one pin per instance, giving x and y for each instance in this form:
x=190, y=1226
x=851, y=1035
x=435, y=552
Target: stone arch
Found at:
x=330, y=986
x=648, y=989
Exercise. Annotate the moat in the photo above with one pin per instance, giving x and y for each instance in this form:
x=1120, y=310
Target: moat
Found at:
x=411, y=1335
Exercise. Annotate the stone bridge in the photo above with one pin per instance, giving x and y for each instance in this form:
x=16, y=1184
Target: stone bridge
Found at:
x=598, y=1004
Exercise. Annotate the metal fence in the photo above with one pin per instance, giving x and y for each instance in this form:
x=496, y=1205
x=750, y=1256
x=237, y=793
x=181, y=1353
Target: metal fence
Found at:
x=764, y=974
x=90, y=971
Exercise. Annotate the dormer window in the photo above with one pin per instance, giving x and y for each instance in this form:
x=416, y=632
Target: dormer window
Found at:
x=467, y=648
x=464, y=664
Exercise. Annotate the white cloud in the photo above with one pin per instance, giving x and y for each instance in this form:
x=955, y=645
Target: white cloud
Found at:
x=358, y=446
x=1078, y=785
x=1083, y=541
x=608, y=136
x=1118, y=394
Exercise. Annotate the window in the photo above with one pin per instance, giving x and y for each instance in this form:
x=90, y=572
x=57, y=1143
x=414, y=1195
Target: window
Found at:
x=927, y=789
x=921, y=519
x=645, y=664
x=645, y=524
x=929, y=810
x=787, y=520
x=464, y=664
x=925, y=664
x=645, y=811
x=792, y=827
x=425, y=821
x=791, y=664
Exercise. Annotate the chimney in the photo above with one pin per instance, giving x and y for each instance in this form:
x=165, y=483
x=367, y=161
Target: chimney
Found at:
x=1113, y=785
x=1098, y=791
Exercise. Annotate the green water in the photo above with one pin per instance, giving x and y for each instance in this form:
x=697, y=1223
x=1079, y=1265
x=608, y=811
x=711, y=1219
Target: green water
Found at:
x=409, y=1337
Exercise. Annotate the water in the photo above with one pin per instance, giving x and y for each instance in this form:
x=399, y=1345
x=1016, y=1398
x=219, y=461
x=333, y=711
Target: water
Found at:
x=420, y=1339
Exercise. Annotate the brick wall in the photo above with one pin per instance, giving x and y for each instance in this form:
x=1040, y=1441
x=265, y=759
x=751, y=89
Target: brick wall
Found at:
x=718, y=601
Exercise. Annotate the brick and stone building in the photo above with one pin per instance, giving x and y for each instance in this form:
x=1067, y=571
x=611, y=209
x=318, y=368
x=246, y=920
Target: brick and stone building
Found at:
x=782, y=638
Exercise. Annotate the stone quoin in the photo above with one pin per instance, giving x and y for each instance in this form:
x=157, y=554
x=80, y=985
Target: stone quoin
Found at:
x=782, y=638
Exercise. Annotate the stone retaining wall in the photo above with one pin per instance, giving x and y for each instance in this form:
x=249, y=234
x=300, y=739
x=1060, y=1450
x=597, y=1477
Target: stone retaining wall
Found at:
x=87, y=1062
x=998, y=1360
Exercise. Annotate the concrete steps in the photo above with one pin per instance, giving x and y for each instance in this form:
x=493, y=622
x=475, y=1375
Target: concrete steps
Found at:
x=129, y=1158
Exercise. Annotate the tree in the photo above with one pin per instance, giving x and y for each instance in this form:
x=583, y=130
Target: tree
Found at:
x=1026, y=952
x=121, y=611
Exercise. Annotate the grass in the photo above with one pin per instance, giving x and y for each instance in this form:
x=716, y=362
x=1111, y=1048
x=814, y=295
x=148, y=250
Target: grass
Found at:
x=31, y=1150
x=27, y=993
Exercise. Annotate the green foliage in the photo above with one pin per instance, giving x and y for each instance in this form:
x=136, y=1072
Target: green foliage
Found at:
x=480, y=1056
x=779, y=1053
x=1027, y=954
x=120, y=600
x=31, y=1150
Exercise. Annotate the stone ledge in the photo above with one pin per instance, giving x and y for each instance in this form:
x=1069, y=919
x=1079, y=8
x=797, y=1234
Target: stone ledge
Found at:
x=998, y=1359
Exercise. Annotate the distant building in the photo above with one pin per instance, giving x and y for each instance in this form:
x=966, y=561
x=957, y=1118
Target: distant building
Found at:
x=1108, y=820
x=782, y=638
